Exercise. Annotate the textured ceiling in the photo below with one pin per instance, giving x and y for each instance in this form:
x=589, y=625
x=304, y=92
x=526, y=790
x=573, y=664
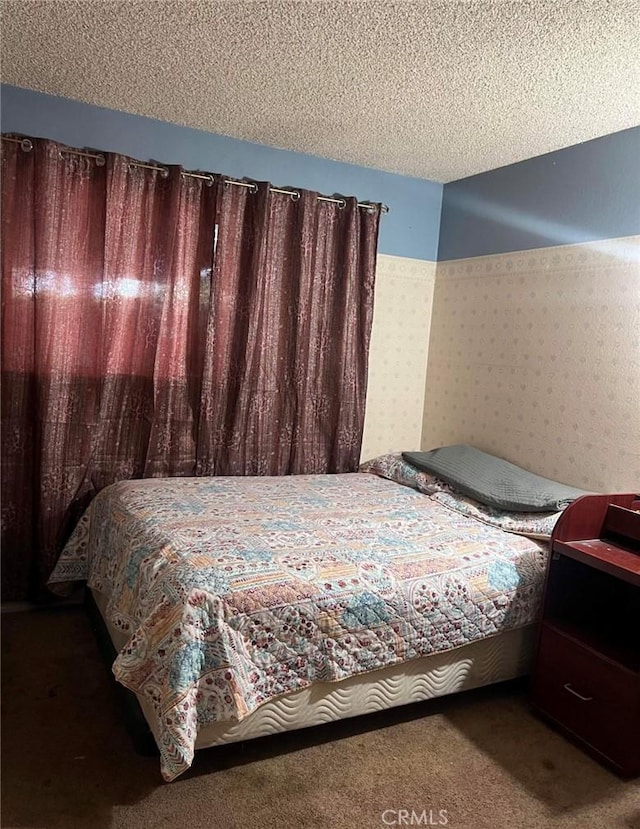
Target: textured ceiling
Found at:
x=439, y=89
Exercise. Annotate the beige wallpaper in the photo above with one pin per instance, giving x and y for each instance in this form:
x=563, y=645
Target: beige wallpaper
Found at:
x=398, y=355
x=535, y=356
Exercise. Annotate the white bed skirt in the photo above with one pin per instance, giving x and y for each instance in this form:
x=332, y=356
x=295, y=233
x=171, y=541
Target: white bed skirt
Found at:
x=496, y=659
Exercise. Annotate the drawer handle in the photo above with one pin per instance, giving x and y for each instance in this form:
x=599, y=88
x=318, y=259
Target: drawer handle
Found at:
x=568, y=688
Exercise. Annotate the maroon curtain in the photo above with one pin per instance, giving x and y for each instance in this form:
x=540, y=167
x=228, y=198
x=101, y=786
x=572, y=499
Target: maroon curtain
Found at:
x=288, y=335
x=159, y=325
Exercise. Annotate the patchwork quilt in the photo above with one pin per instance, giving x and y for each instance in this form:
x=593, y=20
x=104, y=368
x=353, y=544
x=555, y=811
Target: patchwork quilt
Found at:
x=233, y=591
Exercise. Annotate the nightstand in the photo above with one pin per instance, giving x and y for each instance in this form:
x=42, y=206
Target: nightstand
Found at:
x=587, y=671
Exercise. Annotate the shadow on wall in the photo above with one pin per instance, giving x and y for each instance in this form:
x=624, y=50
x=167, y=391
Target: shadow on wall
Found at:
x=512, y=229
x=578, y=194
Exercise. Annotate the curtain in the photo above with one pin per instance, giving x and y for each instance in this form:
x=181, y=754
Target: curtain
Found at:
x=284, y=391
x=158, y=324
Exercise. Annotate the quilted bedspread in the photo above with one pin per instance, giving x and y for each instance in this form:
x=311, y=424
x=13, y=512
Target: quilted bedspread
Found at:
x=234, y=591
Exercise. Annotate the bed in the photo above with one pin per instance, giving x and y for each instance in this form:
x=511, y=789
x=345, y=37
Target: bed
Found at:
x=246, y=606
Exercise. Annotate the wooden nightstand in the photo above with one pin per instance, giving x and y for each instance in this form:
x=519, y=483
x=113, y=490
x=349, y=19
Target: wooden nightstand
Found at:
x=587, y=671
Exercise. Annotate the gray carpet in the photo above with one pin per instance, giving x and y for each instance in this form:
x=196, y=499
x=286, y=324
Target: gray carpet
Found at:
x=67, y=760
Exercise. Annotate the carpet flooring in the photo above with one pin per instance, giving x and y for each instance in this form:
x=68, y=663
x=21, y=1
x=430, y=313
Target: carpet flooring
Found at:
x=481, y=757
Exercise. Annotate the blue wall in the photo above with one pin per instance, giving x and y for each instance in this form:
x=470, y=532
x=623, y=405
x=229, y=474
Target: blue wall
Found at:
x=583, y=193
x=410, y=228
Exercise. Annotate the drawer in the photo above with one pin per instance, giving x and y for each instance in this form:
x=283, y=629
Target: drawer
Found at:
x=596, y=700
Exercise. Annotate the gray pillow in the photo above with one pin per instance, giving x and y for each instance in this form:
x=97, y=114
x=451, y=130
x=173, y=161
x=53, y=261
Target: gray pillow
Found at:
x=494, y=481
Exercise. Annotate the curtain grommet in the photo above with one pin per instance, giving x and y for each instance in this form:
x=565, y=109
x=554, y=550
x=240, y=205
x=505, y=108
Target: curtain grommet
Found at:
x=342, y=203
x=295, y=195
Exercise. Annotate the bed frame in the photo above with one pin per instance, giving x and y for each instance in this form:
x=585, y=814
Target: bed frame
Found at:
x=485, y=662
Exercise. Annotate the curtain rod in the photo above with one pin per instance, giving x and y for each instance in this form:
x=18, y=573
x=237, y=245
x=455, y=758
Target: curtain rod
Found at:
x=27, y=145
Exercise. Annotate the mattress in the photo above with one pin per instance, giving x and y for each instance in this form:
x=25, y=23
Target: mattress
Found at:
x=500, y=658
x=231, y=593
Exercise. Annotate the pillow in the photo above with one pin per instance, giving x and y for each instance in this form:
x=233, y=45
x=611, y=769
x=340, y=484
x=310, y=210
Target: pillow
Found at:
x=493, y=481
x=531, y=524
x=394, y=468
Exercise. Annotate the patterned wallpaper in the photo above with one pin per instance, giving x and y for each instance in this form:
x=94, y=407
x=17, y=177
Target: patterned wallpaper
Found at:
x=398, y=355
x=535, y=356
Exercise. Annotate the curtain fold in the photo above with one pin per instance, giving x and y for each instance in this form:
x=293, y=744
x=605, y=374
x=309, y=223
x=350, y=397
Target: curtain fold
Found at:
x=168, y=325
x=17, y=356
x=285, y=390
